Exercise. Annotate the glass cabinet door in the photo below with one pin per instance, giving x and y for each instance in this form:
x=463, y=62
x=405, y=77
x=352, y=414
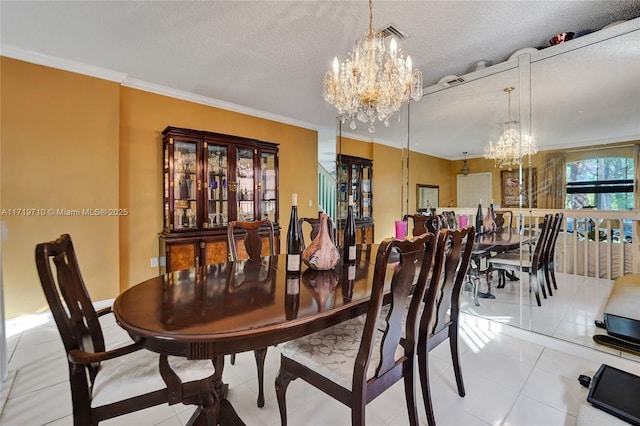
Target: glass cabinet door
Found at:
x=355, y=188
x=217, y=203
x=185, y=185
x=245, y=208
x=343, y=176
x=366, y=192
x=268, y=203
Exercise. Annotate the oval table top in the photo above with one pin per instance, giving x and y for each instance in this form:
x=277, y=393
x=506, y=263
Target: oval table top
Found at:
x=237, y=306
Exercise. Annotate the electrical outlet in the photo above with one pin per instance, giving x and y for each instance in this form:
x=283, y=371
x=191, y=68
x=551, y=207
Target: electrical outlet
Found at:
x=154, y=262
x=310, y=203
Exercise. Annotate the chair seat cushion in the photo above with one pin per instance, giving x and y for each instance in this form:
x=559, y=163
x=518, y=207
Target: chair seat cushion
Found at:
x=511, y=259
x=332, y=352
x=138, y=373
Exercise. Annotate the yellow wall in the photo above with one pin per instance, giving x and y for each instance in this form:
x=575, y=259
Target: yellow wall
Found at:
x=59, y=151
x=70, y=141
x=389, y=192
x=429, y=170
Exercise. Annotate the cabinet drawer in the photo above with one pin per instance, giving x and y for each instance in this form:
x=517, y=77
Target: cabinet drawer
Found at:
x=181, y=256
x=215, y=252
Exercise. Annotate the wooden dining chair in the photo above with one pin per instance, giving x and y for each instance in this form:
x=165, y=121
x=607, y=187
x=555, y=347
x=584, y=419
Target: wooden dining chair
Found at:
x=422, y=224
x=110, y=383
x=532, y=264
x=550, y=252
x=504, y=219
x=250, y=240
x=357, y=360
x=314, y=222
x=439, y=319
x=450, y=218
x=247, y=241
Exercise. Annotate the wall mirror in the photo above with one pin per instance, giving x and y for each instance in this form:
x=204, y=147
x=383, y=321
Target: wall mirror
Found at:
x=427, y=197
x=584, y=95
x=581, y=99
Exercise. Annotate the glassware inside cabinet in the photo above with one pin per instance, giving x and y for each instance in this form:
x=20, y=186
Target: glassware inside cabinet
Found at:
x=185, y=185
x=343, y=189
x=366, y=192
x=355, y=189
x=268, y=185
x=245, y=187
x=217, y=204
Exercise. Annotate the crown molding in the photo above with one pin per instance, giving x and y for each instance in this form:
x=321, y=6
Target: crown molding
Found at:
x=217, y=103
x=125, y=80
x=62, y=64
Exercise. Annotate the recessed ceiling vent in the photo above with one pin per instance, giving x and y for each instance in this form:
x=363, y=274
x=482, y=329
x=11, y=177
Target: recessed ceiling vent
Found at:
x=395, y=31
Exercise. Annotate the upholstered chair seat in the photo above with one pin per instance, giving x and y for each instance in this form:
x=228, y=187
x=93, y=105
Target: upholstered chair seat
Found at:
x=332, y=352
x=137, y=373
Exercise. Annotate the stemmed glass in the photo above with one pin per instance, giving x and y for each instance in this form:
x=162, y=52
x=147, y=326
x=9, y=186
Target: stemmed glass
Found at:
x=212, y=216
x=190, y=217
x=179, y=213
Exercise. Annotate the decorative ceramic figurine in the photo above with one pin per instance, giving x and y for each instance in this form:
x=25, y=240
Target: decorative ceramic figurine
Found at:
x=321, y=254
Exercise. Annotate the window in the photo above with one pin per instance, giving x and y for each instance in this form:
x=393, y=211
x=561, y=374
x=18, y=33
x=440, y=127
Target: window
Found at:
x=604, y=183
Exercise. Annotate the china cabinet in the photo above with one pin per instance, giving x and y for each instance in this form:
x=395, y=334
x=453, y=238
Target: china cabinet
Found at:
x=355, y=177
x=209, y=180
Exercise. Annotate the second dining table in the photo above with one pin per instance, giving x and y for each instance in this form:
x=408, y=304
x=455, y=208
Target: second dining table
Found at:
x=497, y=242
x=211, y=311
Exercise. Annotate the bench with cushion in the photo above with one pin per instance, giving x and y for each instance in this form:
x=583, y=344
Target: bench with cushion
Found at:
x=625, y=297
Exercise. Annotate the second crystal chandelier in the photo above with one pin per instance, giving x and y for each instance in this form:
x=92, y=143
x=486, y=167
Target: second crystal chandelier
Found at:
x=511, y=145
x=373, y=82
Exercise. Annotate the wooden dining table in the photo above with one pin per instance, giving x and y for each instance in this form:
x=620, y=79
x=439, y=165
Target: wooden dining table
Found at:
x=497, y=242
x=211, y=311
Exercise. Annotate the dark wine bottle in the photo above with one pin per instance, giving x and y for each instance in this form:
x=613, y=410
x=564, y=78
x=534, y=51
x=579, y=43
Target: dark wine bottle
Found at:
x=350, y=234
x=294, y=245
x=292, y=296
x=479, y=218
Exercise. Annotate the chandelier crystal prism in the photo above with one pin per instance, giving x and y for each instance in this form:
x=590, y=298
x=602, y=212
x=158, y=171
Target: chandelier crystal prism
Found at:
x=373, y=82
x=511, y=146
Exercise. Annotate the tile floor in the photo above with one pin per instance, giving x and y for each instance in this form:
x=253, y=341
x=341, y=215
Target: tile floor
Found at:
x=567, y=315
x=512, y=377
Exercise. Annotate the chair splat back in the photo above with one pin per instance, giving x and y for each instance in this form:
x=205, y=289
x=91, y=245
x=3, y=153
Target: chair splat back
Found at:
x=504, y=219
x=541, y=244
x=422, y=224
x=68, y=298
x=251, y=234
x=452, y=258
x=413, y=258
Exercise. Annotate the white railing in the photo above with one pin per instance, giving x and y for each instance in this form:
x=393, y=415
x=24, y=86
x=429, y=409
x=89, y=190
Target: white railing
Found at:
x=613, y=253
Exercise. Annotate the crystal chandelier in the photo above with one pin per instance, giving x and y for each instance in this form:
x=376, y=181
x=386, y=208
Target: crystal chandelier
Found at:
x=511, y=146
x=373, y=82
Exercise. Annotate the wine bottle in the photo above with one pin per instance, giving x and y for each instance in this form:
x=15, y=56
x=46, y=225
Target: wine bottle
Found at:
x=479, y=218
x=350, y=234
x=292, y=296
x=293, y=238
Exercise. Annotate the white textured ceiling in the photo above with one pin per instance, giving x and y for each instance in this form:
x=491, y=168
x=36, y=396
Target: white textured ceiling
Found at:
x=271, y=56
